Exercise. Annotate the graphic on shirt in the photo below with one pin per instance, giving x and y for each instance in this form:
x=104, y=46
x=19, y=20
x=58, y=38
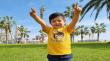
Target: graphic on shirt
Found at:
x=58, y=35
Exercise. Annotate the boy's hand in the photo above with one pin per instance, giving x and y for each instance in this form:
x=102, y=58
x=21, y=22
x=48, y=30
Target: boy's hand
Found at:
x=33, y=12
x=77, y=9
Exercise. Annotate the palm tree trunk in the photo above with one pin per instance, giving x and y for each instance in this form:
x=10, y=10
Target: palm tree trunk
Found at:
x=81, y=37
x=16, y=33
x=89, y=36
x=72, y=37
x=11, y=36
x=1, y=34
x=98, y=37
x=6, y=36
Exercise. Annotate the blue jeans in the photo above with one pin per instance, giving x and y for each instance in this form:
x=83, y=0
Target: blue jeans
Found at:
x=59, y=57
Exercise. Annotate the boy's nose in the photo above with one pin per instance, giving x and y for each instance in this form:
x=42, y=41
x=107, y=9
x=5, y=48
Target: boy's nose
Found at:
x=56, y=22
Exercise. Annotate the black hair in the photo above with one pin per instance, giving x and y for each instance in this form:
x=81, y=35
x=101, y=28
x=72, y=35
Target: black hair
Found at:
x=54, y=15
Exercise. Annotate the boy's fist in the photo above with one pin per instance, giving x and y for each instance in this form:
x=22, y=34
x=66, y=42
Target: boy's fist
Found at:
x=33, y=12
x=77, y=9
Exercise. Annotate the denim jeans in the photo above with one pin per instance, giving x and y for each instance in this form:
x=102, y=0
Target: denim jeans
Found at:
x=59, y=57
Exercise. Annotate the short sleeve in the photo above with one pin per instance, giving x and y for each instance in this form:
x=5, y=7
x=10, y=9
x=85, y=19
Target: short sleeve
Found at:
x=47, y=30
x=69, y=29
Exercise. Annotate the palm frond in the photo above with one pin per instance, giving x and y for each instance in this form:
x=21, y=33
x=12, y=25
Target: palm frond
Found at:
x=108, y=9
x=87, y=7
x=98, y=5
x=99, y=9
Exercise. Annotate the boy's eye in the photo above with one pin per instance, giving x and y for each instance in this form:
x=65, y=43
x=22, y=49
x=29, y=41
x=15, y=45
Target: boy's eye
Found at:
x=59, y=20
x=53, y=21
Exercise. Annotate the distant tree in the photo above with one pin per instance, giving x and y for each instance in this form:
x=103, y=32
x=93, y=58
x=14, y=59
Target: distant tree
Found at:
x=92, y=29
x=69, y=12
x=23, y=32
x=99, y=28
x=42, y=9
x=43, y=34
x=1, y=28
x=83, y=31
x=6, y=24
x=75, y=33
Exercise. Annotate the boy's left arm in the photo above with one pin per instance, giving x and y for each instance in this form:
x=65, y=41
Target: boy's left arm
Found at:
x=77, y=11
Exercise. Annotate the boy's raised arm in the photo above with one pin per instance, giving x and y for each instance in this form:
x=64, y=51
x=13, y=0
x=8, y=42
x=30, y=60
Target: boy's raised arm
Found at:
x=77, y=11
x=38, y=19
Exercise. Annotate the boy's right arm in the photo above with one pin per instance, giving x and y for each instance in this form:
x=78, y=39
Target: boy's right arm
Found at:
x=39, y=20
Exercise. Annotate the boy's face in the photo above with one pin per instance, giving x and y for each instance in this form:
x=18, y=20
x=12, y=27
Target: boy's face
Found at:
x=58, y=22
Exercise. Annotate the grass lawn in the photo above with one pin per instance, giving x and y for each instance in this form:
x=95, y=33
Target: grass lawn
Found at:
x=29, y=52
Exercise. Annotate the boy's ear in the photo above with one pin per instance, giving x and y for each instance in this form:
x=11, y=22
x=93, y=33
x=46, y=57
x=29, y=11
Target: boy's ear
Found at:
x=50, y=23
x=65, y=24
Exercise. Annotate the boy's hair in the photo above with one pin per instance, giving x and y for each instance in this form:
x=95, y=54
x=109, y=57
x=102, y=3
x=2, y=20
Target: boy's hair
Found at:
x=54, y=15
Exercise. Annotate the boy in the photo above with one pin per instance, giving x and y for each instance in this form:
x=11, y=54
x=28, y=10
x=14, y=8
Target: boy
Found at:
x=59, y=44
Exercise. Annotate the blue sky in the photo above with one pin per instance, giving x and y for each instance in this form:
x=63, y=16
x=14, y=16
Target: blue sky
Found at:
x=19, y=10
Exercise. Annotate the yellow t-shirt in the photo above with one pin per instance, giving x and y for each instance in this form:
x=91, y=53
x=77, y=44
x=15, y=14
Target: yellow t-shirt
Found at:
x=59, y=42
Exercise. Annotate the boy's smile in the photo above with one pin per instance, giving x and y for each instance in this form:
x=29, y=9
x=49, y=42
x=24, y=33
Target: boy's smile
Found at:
x=58, y=22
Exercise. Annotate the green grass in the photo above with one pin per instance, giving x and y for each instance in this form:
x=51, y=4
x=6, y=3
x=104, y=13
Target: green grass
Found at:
x=81, y=51
x=91, y=52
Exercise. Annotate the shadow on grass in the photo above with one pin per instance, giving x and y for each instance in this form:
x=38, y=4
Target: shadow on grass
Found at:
x=75, y=45
x=23, y=46
x=91, y=45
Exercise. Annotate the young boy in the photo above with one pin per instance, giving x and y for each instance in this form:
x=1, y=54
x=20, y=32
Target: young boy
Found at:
x=59, y=44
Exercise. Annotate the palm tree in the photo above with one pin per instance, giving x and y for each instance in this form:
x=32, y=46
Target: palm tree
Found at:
x=7, y=23
x=87, y=31
x=23, y=32
x=42, y=9
x=1, y=28
x=83, y=31
x=92, y=29
x=43, y=34
x=76, y=33
x=69, y=12
x=0, y=31
x=99, y=28
x=97, y=5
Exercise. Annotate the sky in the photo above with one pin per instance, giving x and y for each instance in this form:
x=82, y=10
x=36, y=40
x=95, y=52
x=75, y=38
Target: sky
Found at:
x=19, y=10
